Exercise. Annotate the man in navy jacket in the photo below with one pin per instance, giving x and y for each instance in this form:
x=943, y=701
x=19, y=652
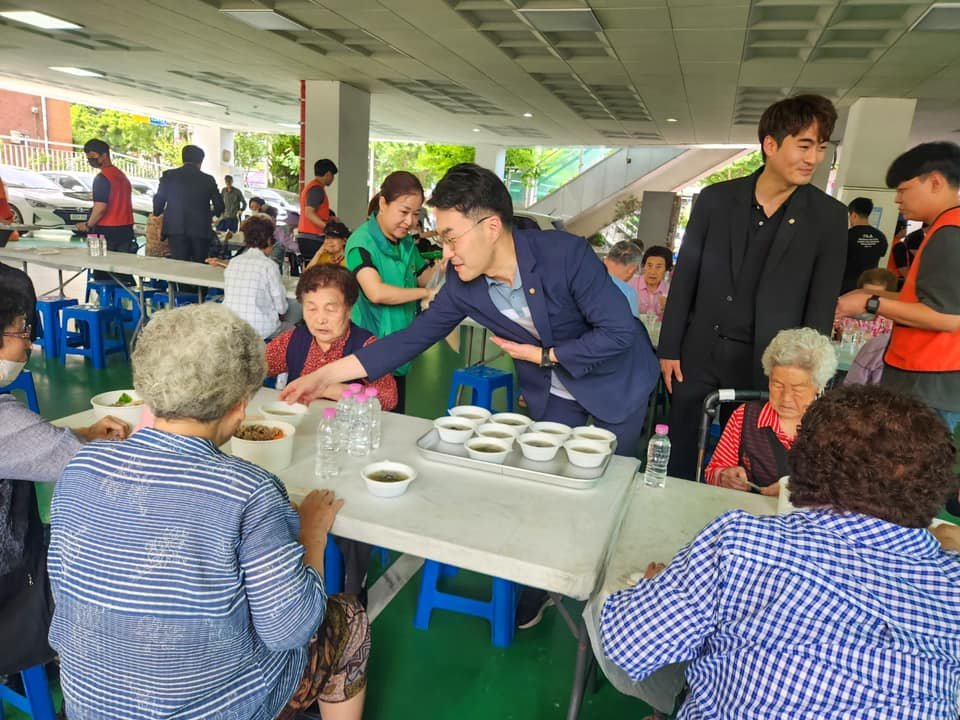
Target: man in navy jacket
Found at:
x=579, y=352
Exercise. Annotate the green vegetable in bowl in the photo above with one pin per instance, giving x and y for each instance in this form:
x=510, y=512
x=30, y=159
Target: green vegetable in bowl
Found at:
x=126, y=400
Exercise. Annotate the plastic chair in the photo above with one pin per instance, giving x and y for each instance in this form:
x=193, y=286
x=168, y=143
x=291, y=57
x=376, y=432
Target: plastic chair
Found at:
x=24, y=382
x=500, y=611
x=711, y=410
x=332, y=567
x=104, y=290
x=90, y=338
x=48, y=310
x=129, y=308
x=483, y=381
x=36, y=700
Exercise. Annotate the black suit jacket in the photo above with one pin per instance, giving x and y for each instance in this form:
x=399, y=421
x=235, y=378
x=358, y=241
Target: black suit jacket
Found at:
x=184, y=198
x=800, y=280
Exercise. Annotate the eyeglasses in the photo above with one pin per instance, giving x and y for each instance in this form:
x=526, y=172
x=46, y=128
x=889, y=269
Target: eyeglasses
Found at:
x=24, y=334
x=450, y=240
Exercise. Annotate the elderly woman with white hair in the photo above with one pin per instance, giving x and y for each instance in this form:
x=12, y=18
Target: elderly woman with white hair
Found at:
x=752, y=452
x=186, y=584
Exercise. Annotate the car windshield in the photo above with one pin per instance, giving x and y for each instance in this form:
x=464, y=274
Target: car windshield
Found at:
x=15, y=177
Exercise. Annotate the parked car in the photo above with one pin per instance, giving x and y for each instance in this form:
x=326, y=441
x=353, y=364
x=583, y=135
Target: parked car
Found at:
x=80, y=185
x=274, y=198
x=144, y=186
x=38, y=200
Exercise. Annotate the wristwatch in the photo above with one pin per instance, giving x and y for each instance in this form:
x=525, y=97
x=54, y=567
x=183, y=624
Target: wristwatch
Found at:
x=545, y=361
x=873, y=304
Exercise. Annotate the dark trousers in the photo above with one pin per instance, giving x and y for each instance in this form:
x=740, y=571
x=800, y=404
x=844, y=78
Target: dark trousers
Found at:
x=309, y=246
x=189, y=247
x=401, y=381
x=729, y=364
x=571, y=413
x=119, y=239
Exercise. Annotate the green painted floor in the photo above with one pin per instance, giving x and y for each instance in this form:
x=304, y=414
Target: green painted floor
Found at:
x=451, y=671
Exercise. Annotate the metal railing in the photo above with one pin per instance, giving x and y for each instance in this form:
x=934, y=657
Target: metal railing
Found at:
x=40, y=155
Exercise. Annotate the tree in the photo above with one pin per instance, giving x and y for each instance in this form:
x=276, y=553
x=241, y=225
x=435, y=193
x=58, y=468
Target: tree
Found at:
x=285, y=162
x=738, y=168
x=250, y=150
x=127, y=134
x=428, y=161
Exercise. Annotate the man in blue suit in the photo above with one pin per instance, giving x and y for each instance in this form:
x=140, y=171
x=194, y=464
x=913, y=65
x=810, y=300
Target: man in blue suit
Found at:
x=579, y=351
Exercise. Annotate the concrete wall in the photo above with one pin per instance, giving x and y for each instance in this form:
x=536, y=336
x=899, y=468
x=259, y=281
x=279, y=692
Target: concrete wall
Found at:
x=17, y=114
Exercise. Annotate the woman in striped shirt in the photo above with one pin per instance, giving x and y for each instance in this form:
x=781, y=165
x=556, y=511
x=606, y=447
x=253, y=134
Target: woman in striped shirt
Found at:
x=186, y=584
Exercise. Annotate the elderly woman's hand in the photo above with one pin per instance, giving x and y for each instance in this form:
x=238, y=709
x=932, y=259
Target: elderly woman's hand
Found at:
x=108, y=428
x=734, y=478
x=771, y=490
x=948, y=535
x=317, y=512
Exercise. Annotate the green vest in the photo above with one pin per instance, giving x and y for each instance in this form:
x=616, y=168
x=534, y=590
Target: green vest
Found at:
x=398, y=265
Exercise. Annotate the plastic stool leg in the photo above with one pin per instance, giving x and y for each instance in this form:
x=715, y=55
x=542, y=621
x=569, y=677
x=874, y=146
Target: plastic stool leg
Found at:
x=97, y=339
x=382, y=555
x=428, y=590
x=448, y=570
x=332, y=567
x=509, y=389
x=454, y=391
x=504, y=612
x=38, y=693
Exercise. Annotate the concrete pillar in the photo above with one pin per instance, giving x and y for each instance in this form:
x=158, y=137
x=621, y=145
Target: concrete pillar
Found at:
x=657, y=220
x=878, y=130
x=336, y=125
x=492, y=157
x=217, y=144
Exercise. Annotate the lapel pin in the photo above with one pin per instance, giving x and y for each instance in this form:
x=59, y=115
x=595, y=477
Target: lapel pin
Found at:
x=791, y=221
x=533, y=291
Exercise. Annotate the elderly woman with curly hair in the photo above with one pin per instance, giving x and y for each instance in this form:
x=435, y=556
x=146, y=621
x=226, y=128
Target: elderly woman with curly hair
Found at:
x=752, y=451
x=844, y=608
x=186, y=583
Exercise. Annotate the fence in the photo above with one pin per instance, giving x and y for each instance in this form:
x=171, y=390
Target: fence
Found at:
x=37, y=155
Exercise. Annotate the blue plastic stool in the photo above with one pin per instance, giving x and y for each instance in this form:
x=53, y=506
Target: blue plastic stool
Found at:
x=36, y=702
x=332, y=567
x=91, y=339
x=24, y=382
x=482, y=380
x=104, y=291
x=129, y=308
x=160, y=300
x=213, y=295
x=48, y=310
x=382, y=555
x=500, y=611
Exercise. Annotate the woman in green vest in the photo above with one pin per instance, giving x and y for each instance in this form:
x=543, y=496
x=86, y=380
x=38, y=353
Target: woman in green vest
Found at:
x=384, y=257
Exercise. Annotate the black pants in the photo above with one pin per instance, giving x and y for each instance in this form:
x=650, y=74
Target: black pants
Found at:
x=194, y=248
x=310, y=245
x=401, y=381
x=119, y=239
x=729, y=364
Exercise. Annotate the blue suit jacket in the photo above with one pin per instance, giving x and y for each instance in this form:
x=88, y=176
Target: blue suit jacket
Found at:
x=606, y=359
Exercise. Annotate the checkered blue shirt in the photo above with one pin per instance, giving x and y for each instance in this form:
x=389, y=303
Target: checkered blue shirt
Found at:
x=808, y=615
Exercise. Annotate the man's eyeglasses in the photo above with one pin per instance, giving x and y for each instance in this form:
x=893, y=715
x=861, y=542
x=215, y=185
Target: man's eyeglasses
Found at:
x=24, y=334
x=448, y=239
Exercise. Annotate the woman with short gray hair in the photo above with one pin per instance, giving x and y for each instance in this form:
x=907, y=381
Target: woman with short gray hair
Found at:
x=186, y=584
x=752, y=452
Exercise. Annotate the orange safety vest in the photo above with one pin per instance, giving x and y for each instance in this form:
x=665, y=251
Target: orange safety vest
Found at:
x=919, y=350
x=323, y=210
x=120, y=204
x=6, y=212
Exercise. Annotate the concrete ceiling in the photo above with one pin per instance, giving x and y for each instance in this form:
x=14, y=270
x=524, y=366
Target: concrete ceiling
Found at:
x=467, y=70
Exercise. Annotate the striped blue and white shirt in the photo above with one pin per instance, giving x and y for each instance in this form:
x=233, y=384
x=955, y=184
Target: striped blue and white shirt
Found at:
x=180, y=586
x=809, y=615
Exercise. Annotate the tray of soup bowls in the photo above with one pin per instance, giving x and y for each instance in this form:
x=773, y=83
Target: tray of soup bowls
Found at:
x=519, y=449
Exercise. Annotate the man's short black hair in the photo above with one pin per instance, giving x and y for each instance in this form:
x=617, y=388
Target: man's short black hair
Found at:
x=228, y=178
x=793, y=114
x=257, y=199
x=322, y=167
x=942, y=157
x=96, y=145
x=192, y=154
x=336, y=230
x=861, y=206
x=659, y=251
x=473, y=190
x=12, y=306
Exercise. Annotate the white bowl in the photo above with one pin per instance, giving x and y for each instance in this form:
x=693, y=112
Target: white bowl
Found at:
x=292, y=413
x=454, y=429
x=493, y=457
x=474, y=413
x=556, y=429
x=507, y=433
x=546, y=446
x=592, y=432
x=586, y=453
x=390, y=488
x=272, y=455
x=521, y=422
x=103, y=406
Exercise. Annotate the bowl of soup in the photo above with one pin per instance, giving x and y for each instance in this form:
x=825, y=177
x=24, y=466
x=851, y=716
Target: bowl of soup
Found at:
x=553, y=428
x=521, y=422
x=499, y=431
x=489, y=449
x=586, y=453
x=267, y=443
x=453, y=429
x=592, y=432
x=387, y=478
x=126, y=405
x=474, y=413
x=539, y=446
x=292, y=413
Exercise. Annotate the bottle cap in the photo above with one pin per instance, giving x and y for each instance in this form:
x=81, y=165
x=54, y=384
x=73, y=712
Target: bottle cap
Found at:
x=355, y=387
x=346, y=393
x=371, y=392
x=662, y=429
x=329, y=413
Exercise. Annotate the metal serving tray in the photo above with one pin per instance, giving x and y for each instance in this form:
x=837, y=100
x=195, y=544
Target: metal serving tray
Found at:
x=558, y=471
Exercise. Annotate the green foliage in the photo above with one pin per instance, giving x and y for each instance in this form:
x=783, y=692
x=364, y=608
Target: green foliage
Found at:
x=738, y=168
x=250, y=150
x=127, y=134
x=427, y=161
x=285, y=162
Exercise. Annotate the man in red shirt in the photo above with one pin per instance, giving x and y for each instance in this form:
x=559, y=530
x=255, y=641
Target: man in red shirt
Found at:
x=315, y=210
x=112, y=213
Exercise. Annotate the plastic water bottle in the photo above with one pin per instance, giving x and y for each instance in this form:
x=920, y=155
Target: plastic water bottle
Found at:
x=285, y=270
x=658, y=457
x=358, y=443
x=345, y=413
x=376, y=413
x=329, y=447
x=103, y=246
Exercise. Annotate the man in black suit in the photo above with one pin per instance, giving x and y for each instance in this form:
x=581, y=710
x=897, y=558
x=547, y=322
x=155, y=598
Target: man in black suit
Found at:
x=188, y=199
x=760, y=254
